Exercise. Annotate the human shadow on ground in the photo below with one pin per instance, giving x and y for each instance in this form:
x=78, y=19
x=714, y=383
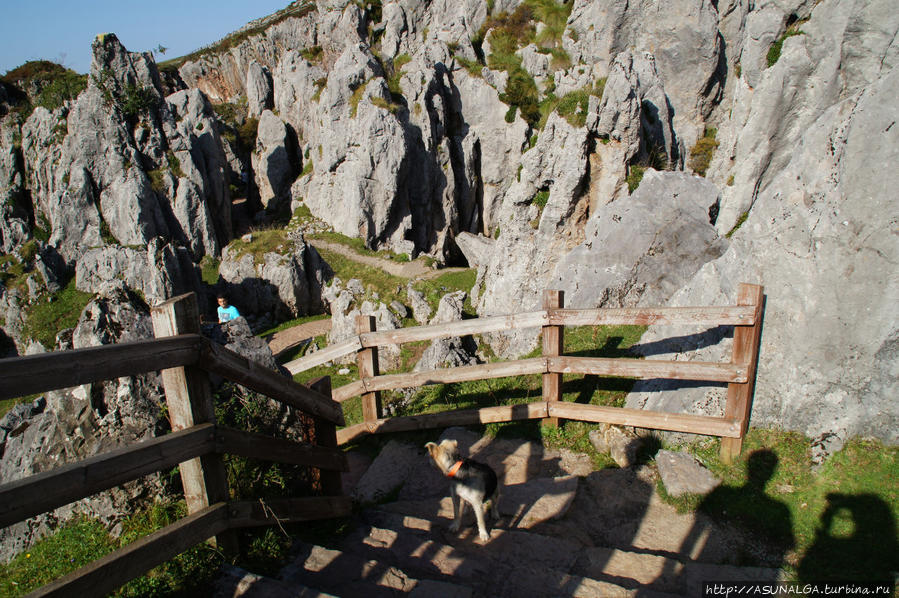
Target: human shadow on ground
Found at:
x=856, y=541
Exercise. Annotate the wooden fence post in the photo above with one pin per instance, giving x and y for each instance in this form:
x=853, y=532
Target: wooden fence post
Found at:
x=553, y=346
x=189, y=400
x=367, y=360
x=745, y=353
x=325, y=435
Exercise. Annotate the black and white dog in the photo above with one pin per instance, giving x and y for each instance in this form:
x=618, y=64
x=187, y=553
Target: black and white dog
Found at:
x=472, y=482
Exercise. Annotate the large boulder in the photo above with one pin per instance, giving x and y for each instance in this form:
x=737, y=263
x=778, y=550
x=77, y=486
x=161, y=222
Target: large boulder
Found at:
x=275, y=161
x=279, y=286
x=159, y=272
x=639, y=251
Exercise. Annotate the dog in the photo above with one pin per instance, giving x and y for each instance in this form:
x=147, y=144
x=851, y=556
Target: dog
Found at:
x=471, y=482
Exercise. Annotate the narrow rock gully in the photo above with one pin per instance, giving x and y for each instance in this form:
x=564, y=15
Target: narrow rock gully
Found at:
x=564, y=530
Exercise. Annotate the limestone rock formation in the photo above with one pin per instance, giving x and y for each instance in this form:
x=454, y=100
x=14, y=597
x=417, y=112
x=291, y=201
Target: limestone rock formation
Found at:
x=159, y=272
x=643, y=249
x=453, y=351
x=275, y=162
x=816, y=234
x=284, y=285
x=123, y=164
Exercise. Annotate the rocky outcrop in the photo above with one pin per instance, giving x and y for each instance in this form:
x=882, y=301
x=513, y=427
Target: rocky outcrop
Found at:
x=815, y=235
x=122, y=164
x=682, y=35
x=275, y=286
x=453, y=351
x=159, y=272
x=275, y=162
x=542, y=217
x=640, y=251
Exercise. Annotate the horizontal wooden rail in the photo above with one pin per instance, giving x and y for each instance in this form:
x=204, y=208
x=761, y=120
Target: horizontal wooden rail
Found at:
x=648, y=368
x=642, y=316
x=21, y=376
x=457, y=328
x=237, y=368
x=465, y=417
x=658, y=420
x=503, y=369
x=46, y=491
x=622, y=368
x=104, y=575
x=288, y=510
x=739, y=315
x=266, y=448
x=322, y=356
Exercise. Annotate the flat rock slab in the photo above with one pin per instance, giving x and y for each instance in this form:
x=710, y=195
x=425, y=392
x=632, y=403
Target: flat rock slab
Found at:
x=537, y=501
x=387, y=473
x=683, y=474
x=358, y=465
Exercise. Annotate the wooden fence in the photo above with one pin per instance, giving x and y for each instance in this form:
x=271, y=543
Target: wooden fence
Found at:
x=196, y=444
x=738, y=373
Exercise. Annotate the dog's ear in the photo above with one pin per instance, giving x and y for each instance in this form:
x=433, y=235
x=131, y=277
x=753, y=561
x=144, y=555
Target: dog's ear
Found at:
x=431, y=447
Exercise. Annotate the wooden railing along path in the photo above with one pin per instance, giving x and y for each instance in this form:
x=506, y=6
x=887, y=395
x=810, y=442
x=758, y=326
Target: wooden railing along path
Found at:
x=739, y=373
x=196, y=444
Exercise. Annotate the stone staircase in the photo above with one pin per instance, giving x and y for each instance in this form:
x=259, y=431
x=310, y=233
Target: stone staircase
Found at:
x=565, y=530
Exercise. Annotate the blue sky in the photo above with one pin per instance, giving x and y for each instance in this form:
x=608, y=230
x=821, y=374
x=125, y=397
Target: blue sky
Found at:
x=62, y=30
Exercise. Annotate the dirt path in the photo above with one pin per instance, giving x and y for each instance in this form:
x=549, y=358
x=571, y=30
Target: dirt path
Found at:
x=290, y=338
x=414, y=269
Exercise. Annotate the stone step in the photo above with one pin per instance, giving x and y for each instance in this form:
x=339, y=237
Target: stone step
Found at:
x=349, y=575
x=512, y=563
x=399, y=536
x=235, y=582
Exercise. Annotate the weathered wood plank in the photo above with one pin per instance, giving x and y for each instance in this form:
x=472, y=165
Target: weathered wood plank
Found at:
x=658, y=420
x=367, y=362
x=288, y=510
x=348, y=391
x=648, y=368
x=322, y=356
x=503, y=413
x=237, y=368
x=450, y=329
x=646, y=316
x=267, y=448
x=553, y=346
x=745, y=354
x=189, y=400
x=20, y=376
x=485, y=371
x=117, y=568
x=46, y=491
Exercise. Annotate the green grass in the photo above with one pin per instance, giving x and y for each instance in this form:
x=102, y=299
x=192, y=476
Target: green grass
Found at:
x=209, y=269
x=771, y=489
x=634, y=176
x=702, y=152
x=738, y=224
x=374, y=279
x=774, y=51
x=272, y=240
x=44, y=319
x=82, y=540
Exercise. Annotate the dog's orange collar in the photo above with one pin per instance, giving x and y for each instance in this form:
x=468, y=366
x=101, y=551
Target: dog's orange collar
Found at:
x=454, y=469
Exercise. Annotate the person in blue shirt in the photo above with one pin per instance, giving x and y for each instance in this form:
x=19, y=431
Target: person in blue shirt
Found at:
x=226, y=312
